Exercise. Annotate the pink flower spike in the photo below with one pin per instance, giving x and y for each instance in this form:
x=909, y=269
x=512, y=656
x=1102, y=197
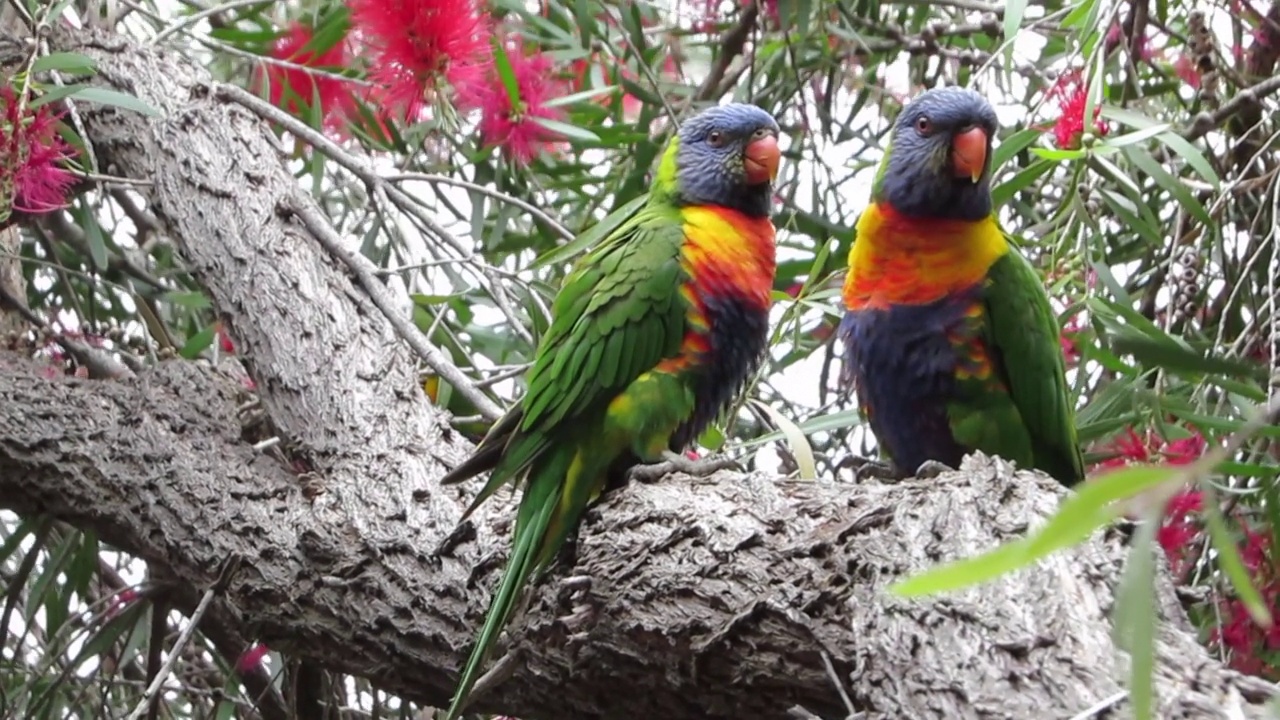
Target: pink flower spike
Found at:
x=512, y=126
x=251, y=658
x=31, y=157
x=1071, y=93
x=294, y=89
x=417, y=44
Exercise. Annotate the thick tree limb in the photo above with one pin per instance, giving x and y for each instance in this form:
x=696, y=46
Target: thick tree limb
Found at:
x=720, y=598
x=689, y=599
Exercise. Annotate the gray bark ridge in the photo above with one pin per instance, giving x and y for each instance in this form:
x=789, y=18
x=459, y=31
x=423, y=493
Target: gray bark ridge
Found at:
x=725, y=597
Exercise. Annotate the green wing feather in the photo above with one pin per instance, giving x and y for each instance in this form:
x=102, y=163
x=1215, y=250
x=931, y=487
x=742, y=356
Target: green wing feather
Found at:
x=1024, y=331
x=617, y=316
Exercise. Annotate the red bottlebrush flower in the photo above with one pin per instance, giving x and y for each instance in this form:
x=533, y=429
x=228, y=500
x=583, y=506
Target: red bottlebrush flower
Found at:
x=1071, y=94
x=1128, y=447
x=692, y=454
x=1178, y=530
x=120, y=600
x=511, y=126
x=294, y=88
x=32, y=178
x=416, y=44
x=1184, y=451
x=1255, y=551
x=1069, y=349
x=224, y=341
x=1185, y=68
x=1067, y=339
x=251, y=658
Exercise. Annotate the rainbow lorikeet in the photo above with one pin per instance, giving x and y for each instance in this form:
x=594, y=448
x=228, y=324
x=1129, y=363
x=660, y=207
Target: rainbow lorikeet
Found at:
x=653, y=334
x=949, y=338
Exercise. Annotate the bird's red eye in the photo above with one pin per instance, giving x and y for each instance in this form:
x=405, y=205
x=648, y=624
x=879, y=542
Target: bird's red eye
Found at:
x=715, y=138
x=923, y=126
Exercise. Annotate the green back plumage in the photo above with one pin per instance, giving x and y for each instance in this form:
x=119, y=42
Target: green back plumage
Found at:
x=1022, y=410
x=1023, y=328
x=618, y=314
x=613, y=379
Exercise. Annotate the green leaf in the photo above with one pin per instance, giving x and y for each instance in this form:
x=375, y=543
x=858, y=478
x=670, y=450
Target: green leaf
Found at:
x=1230, y=563
x=1171, y=356
x=1013, y=12
x=64, y=61
x=1172, y=140
x=1094, y=504
x=188, y=300
x=1091, y=507
x=572, y=132
x=1173, y=185
x=1135, y=616
x=712, y=438
x=952, y=576
x=93, y=235
x=115, y=98
x=55, y=94
x=1055, y=154
x=43, y=584
x=1135, y=137
x=1005, y=191
x=198, y=343
x=102, y=640
x=796, y=441
x=1013, y=145
x=822, y=423
x=506, y=73
x=580, y=96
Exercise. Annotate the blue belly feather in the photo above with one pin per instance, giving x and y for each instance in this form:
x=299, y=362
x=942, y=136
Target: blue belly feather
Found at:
x=902, y=362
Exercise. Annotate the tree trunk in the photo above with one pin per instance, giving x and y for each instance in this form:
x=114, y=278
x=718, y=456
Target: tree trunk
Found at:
x=739, y=596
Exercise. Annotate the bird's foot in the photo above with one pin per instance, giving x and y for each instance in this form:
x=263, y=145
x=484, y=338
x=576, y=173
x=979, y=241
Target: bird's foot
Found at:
x=931, y=469
x=864, y=468
x=675, y=463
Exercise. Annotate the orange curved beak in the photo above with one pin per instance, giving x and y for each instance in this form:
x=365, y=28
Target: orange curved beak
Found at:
x=969, y=153
x=761, y=160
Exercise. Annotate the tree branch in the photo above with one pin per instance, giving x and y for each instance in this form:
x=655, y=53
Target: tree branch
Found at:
x=708, y=599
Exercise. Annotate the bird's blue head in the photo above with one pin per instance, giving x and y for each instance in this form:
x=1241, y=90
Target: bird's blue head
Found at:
x=939, y=160
x=726, y=155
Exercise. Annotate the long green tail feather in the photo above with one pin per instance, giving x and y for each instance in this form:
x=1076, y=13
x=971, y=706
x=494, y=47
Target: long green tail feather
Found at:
x=529, y=535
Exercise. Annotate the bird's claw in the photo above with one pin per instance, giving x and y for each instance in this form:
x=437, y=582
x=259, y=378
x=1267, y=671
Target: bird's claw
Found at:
x=674, y=463
x=931, y=469
x=864, y=468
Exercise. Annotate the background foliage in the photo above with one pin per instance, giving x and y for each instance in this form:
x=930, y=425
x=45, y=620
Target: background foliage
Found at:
x=1138, y=165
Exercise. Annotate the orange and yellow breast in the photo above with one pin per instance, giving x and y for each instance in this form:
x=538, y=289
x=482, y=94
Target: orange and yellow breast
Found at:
x=897, y=260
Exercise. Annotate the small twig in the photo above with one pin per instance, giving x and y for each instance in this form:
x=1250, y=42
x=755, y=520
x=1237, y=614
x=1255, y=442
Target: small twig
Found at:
x=196, y=17
x=228, y=570
x=732, y=44
x=20, y=9
x=496, y=675
x=1101, y=706
x=835, y=680
x=1255, y=93
x=99, y=363
x=970, y=5
x=365, y=272
x=528, y=207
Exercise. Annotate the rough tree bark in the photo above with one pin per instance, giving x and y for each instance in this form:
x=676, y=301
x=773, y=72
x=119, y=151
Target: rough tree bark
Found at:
x=717, y=598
